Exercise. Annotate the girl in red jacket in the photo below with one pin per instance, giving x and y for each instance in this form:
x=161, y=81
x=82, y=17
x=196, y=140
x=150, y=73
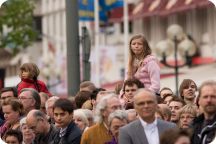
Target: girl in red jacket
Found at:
x=29, y=73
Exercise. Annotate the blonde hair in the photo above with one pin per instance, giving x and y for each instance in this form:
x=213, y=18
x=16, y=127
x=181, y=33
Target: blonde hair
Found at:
x=146, y=51
x=189, y=108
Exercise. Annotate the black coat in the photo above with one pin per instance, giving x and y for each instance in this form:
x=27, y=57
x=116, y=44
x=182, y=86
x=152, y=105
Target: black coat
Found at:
x=72, y=135
x=203, y=131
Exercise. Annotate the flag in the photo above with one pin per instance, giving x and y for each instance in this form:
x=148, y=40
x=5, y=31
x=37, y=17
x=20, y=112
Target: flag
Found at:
x=86, y=8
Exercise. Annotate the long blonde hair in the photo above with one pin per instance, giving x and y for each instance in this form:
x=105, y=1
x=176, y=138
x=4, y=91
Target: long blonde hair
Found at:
x=146, y=51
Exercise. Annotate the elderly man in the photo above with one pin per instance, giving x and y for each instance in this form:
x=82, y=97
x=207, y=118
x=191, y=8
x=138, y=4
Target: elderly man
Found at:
x=204, y=126
x=49, y=107
x=99, y=133
x=45, y=133
x=30, y=99
x=146, y=129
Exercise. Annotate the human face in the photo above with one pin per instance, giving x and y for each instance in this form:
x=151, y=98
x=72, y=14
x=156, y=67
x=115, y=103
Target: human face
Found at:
x=10, y=115
x=207, y=100
x=6, y=95
x=112, y=105
x=25, y=74
x=36, y=125
x=62, y=118
x=175, y=106
x=183, y=140
x=11, y=140
x=137, y=46
x=145, y=105
x=189, y=92
x=165, y=93
x=185, y=120
x=79, y=122
x=168, y=99
x=27, y=100
x=49, y=109
x=115, y=125
x=130, y=91
x=28, y=134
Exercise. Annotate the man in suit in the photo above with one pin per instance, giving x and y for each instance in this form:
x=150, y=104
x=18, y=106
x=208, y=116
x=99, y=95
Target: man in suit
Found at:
x=146, y=129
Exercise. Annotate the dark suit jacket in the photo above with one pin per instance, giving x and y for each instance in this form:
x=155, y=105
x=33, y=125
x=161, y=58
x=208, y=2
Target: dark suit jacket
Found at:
x=133, y=133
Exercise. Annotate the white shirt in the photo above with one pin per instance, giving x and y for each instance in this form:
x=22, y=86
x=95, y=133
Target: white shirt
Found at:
x=151, y=131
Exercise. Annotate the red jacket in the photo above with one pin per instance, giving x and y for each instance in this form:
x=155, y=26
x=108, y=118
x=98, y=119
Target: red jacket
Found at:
x=27, y=83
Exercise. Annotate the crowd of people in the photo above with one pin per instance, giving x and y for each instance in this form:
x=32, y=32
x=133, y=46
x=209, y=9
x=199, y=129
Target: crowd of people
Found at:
x=137, y=111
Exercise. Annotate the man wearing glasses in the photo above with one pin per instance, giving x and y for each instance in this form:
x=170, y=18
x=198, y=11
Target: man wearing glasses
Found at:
x=30, y=99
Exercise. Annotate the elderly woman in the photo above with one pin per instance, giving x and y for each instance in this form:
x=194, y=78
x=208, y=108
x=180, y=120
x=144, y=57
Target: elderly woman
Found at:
x=187, y=115
x=80, y=119
x=187, y=91
x=116, y=120
x=28, y=134
x=142, y=64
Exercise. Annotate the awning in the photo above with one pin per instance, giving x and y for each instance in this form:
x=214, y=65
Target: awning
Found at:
x=147, y=8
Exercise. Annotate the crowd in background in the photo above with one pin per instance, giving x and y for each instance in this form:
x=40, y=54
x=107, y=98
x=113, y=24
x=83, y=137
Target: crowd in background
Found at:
x=137, y=111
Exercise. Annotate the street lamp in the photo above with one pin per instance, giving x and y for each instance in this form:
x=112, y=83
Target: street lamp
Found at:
x=178, y=43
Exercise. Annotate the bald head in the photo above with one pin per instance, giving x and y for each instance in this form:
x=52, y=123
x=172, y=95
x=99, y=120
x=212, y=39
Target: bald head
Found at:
x=142, y=92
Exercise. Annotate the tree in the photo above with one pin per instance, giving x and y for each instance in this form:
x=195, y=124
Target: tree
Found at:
x=16, y=25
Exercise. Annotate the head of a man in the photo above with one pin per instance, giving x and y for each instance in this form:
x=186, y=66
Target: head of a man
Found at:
x=165, y=111
x=187, y=90
x=207, y=99
x=87, y=86
x=165, y=91
x=43, y=97
x=145, y=104
x=13, y=137
x=175, y=105
x=37, y=121
x=30, y=99
x=63, y=112
x=8, y=92
x=107, y=104
x=49, y=105
x=131, y=86
x=116, y=120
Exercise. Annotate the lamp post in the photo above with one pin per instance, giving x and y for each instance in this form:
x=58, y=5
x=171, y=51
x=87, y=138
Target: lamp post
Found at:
x=176, y=43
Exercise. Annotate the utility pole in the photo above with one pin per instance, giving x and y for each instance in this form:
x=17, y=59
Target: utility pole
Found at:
x=73, y=60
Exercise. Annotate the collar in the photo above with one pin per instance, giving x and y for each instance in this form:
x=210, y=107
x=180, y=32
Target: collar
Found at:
x=27, y=80
x=148, y=125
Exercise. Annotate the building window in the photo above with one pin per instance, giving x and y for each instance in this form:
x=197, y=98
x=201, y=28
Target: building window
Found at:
x=38, y=26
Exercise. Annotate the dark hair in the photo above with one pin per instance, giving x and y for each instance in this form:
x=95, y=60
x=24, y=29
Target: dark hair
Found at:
x=177, y=99
x=64, y=104
x=131, y=82
x=15, y=104
x=39, y=114
x=13, y=89
x=185, y=84
x=95, y=92
x=35, y=95
x=81, y=97
x=15, y=133
x=31, y=68
x=170, y=136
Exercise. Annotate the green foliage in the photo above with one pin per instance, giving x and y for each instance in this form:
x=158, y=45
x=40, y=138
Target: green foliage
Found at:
x=16, y=25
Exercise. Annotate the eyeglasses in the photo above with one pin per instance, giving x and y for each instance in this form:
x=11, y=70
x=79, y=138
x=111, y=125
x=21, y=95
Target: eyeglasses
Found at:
x=132, y=90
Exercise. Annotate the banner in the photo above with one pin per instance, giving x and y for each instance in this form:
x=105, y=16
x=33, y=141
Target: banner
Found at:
x=86, y=9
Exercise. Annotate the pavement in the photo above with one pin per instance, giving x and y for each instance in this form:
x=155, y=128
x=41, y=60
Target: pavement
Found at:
x=198, y=73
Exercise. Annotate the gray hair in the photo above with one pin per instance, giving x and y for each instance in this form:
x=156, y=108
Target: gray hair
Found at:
x=80, y=113
x=22, y=121
x=35, y=95
x=101, y=106
x=119, y=114
x=51, y=99
x=88, y=113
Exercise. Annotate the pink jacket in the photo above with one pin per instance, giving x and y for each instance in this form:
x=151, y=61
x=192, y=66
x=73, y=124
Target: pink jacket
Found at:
x=149, y=73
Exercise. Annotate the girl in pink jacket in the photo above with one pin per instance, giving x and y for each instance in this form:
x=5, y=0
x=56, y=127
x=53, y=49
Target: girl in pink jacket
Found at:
x=142, y=64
